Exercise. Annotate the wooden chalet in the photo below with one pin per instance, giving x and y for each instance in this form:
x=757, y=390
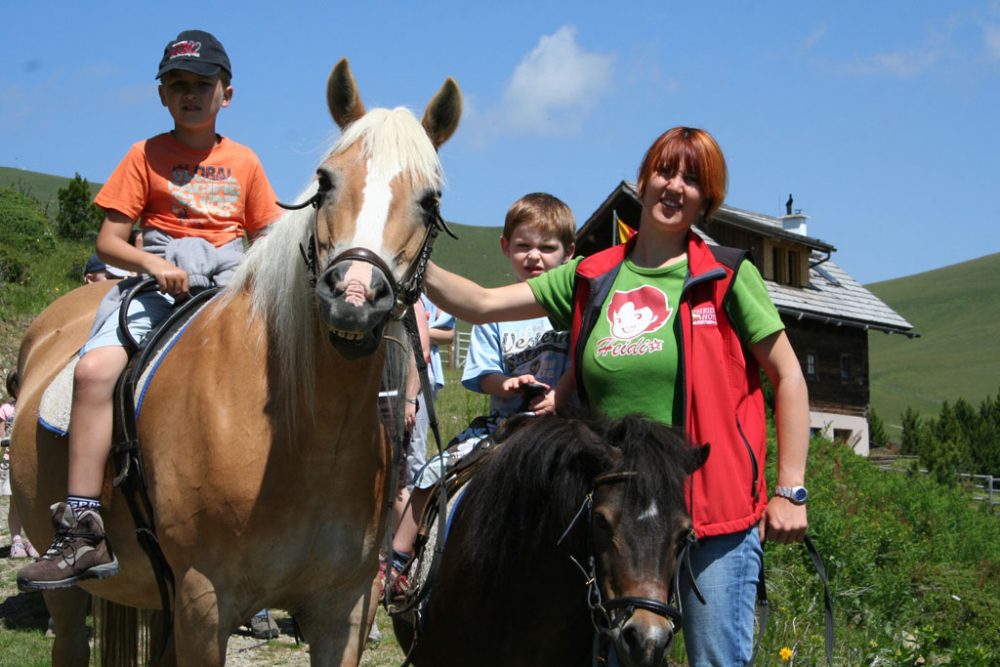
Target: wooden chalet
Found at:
x=827, y=313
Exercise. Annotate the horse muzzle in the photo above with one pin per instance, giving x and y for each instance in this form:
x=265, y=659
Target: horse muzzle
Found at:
x=644, y=639
x=356, y=295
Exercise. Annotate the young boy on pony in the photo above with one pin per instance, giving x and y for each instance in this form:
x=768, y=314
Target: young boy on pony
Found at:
x=506, y=360
x=189, y=183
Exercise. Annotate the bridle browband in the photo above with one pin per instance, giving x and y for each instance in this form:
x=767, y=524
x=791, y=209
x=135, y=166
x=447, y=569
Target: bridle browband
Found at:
x=602, y=612
x=406, y=291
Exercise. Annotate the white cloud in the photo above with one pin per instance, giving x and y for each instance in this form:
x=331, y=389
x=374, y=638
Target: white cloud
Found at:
x=991, y=39
x=814, y=38
x=900, y=64
x=555, y=87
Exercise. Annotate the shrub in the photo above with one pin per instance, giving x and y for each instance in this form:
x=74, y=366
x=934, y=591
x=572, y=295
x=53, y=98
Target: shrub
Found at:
x=24, y=227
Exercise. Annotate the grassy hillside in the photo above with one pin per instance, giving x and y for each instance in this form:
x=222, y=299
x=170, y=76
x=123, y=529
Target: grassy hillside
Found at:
x=40, y=187
x=476, y=254
x=955, y=309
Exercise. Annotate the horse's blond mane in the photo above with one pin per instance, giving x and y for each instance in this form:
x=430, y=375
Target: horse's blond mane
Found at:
x=274, y=274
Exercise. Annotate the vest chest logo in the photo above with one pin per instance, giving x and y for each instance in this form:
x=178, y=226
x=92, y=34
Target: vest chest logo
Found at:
x=704, y=316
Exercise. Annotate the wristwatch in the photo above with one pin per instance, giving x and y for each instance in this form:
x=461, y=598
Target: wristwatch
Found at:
x=796, y=494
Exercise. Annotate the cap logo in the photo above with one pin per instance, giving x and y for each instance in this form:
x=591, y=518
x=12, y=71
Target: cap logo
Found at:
x=186, y=49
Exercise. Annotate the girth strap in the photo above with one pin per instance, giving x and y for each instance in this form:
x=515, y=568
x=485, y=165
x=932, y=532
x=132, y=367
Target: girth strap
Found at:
x=130, y=477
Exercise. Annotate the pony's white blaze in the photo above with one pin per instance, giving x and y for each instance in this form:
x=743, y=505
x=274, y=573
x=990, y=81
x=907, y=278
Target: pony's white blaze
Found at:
x=650, y=512
x=374, y=214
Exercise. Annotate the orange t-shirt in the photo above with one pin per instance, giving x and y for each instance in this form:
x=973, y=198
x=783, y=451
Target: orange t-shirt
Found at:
x=218, y=194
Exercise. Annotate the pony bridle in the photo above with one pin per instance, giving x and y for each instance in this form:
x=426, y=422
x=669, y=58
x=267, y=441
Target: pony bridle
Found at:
x=406, y=291
x=610, y=616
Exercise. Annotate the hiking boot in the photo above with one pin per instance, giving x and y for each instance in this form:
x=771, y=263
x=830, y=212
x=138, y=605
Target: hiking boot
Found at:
x=79, y=551
x=262, y=627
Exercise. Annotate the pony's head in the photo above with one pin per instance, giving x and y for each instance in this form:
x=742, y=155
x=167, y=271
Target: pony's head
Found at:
x=613, y=489
x=638, y=530
x=377, y=199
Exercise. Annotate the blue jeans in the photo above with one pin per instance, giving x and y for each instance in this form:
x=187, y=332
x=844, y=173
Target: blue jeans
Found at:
x=727, y=569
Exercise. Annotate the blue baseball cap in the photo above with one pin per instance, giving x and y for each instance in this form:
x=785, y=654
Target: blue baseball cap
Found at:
x=195, y=51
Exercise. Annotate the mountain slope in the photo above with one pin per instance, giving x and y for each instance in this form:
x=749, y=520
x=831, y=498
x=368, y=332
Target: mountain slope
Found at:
x=956, y=311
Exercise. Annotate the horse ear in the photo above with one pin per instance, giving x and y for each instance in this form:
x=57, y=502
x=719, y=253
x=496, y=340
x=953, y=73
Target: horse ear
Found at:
x=442, y=114
x=700, y=456
x=342, y=95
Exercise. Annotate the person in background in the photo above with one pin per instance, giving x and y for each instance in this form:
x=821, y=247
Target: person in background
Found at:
x=20, y=547
x=97, y=271
x=673, y=328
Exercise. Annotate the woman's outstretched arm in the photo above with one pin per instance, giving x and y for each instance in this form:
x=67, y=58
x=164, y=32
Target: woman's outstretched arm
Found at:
x=476, y=304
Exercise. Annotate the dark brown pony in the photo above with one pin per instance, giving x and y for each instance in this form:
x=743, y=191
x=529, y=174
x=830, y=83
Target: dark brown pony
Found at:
x=266, y=462
x=560, y=502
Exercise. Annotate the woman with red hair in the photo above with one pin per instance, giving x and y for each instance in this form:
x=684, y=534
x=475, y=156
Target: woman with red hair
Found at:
x=689, y=357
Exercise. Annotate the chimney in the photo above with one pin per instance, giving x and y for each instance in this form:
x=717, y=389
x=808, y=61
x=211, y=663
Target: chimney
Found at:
x=793, y=222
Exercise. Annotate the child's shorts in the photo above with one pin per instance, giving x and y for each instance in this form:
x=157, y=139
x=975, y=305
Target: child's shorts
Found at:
x=147, y=309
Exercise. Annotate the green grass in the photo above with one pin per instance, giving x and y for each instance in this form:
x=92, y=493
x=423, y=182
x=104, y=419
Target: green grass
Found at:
x=955, y=310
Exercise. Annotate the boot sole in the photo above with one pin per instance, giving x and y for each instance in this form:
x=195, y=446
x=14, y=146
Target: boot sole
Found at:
x=97, y=572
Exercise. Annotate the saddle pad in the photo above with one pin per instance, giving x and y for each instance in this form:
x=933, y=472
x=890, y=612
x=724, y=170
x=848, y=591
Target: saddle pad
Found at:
x=54, y=408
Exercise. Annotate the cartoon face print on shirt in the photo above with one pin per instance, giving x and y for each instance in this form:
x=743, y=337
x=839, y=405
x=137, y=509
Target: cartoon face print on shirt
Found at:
x=637, y=311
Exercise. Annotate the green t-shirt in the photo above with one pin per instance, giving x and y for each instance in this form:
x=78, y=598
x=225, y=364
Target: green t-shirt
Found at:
x=630, y=360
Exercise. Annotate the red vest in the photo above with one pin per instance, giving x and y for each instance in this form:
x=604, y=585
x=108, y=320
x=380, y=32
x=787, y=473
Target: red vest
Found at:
x=723, y=404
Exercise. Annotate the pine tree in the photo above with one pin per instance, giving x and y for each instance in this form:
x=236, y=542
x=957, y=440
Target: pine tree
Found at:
x=910, y=444
x=78, y=216
x=877, y=435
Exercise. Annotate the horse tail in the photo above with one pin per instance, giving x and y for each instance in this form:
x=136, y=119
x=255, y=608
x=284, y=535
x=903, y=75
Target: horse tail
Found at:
x=123, y=635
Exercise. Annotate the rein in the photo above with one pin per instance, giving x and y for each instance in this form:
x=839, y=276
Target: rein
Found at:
x=602, y=612
x=406, y=291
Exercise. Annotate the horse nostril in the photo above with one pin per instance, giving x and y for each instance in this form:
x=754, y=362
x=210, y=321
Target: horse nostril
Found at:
x=644, y=646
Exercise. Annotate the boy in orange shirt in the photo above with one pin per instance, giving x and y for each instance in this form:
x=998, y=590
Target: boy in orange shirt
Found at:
x=190, y=182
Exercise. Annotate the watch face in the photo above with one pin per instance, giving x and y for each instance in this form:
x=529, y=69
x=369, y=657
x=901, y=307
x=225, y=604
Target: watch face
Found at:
x=799, y=494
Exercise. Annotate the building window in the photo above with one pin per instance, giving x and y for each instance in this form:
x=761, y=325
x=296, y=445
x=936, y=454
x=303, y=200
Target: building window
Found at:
x=812, y=365
x=845, y=368
x=794, y=268
x=786, y=266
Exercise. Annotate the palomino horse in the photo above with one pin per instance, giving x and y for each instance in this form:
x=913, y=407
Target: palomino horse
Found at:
x=266, y=462
x=568, y=525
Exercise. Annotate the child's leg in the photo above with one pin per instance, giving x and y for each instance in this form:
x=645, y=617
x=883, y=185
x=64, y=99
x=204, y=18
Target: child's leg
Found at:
x=409, y=522
x=91, y=419
x=13, y=521
x=80, y=550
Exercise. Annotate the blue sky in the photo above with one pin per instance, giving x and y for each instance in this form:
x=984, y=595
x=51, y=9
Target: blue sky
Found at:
x=880, y=117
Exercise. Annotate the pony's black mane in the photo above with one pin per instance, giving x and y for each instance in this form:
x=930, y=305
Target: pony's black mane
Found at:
x=529, y=488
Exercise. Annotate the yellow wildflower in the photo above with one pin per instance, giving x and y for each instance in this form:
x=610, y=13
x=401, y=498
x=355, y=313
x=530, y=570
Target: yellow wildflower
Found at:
x=785, y=653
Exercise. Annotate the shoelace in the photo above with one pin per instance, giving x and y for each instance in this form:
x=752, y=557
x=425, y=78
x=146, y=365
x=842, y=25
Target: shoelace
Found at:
x=59, y=544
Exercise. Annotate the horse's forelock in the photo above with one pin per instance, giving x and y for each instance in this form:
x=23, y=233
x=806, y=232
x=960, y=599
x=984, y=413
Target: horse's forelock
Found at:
x=395, y=142
x=659, y=456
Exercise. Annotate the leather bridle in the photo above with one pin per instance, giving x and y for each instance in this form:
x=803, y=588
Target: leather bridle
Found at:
x=405, y=291
x=610, y=616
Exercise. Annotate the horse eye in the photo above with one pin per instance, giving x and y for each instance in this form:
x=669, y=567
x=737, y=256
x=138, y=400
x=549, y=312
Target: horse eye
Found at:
x=431, y=202
x=601, y=523
x=325, y=180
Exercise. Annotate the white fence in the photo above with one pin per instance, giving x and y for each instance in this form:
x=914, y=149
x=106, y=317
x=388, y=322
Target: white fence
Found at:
x=454, y=355
x=985, y=488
